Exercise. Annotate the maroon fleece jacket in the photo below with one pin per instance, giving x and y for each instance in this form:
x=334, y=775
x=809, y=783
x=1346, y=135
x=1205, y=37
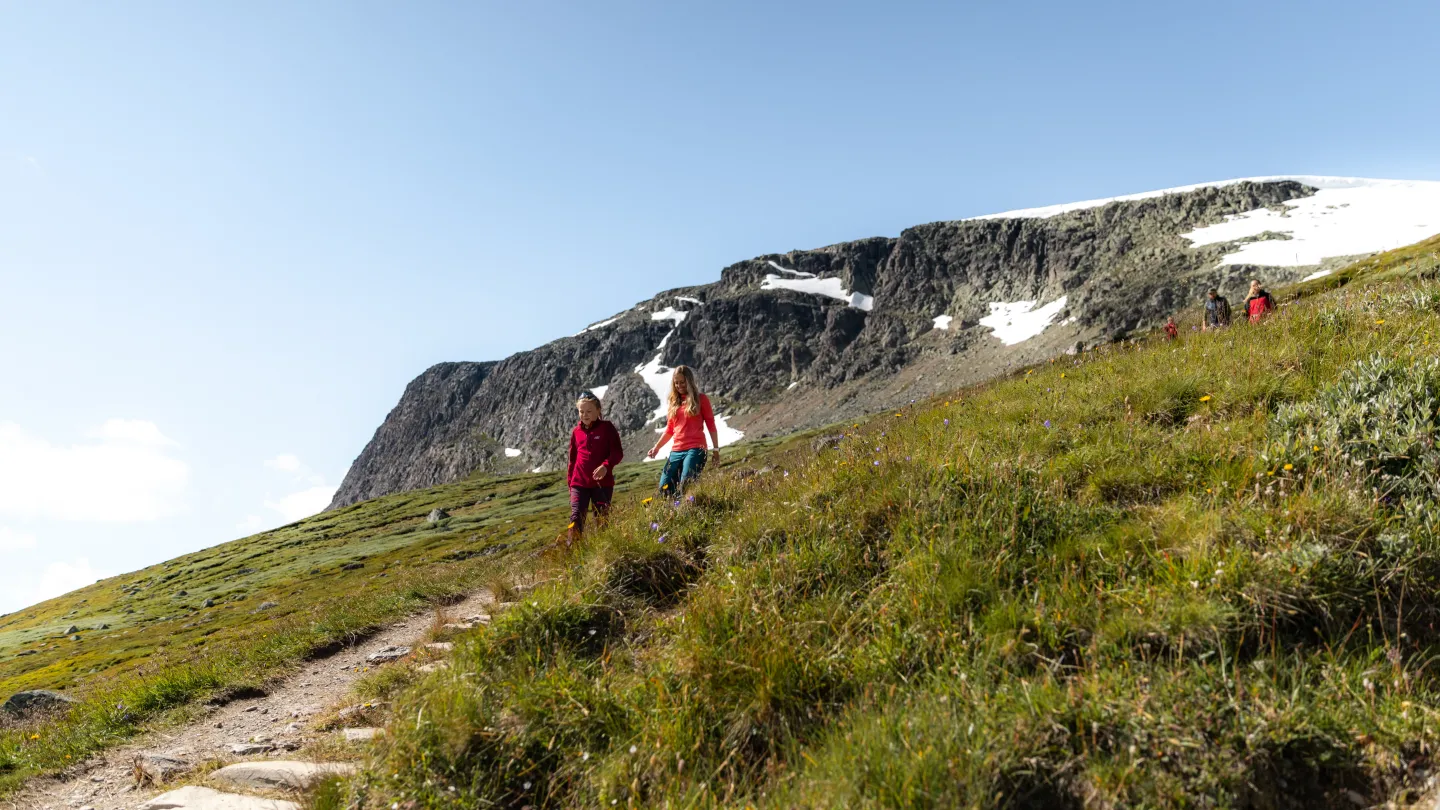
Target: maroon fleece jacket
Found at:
x=591, y=447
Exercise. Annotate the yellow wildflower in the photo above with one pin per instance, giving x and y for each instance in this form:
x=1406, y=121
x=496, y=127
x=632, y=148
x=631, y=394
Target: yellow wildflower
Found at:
x=1289, y=467
x=1205, y=398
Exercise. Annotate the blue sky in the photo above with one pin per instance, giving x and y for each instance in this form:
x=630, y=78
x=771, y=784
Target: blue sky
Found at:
x=231, y=232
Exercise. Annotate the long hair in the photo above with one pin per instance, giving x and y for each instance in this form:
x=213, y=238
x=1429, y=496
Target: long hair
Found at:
x=692, y=396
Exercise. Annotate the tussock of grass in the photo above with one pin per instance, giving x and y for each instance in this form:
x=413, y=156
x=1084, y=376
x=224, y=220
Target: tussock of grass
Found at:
x=1115, y=581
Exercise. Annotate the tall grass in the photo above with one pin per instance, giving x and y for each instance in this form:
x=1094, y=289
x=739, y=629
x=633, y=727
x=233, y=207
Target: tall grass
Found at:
x=1126, y=579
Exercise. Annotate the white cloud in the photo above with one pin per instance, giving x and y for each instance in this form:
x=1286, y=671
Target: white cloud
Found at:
x=304, y=503
x=123, y=472
x=57, y=578
x=12, y=540
x=285, y=462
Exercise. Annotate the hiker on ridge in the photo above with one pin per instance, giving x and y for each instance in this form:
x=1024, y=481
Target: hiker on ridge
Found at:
x=689, y=416
x=594, y=452
x=1259, y=303
x=1217, y=311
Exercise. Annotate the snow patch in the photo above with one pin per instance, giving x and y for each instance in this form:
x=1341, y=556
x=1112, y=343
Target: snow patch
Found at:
x=830, y=287
x=696, y=301
x=657, y=376
x=1318, y=274
x=538, y=469
x=788, y=271
x=511, y=452
x=601, y=324
x=1343, y=219
x=669, y=314
x=943, y=321
x=726, y=434
x=792, y=385
x=599, y=391
x=1019, y=321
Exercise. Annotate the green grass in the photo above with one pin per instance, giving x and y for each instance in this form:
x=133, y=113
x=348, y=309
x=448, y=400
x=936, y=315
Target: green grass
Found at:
x=333, y=578
x=1163, y=574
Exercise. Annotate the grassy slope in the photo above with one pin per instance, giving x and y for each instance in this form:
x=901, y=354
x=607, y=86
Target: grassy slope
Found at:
x=162, y=650
x=1164, y=574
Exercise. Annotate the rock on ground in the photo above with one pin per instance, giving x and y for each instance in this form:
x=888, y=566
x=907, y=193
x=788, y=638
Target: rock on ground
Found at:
x=36, y=700
x=199, y=798
x=159, y=768
x=388, y=654
x=280, y=773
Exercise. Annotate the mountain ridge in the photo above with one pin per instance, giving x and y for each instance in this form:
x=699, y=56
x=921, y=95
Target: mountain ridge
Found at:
x=794, y=340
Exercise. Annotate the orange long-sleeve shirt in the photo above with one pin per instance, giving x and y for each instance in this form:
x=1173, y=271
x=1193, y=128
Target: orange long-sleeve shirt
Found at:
x=689, y=431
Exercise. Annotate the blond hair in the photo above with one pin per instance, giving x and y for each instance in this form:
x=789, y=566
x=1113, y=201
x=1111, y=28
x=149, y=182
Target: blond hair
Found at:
x=692, y=395
x=589, y=396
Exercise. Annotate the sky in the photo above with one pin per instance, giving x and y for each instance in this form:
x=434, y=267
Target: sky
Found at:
x=231, y=232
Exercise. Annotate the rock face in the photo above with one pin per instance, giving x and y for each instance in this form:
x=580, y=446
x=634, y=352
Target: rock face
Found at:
x=782, y=342
x=36, y=700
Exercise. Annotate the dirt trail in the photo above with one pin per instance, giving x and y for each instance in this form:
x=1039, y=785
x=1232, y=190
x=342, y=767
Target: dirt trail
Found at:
x=283, y=718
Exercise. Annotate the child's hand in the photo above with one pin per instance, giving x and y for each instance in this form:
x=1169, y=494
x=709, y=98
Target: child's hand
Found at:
x=652, y=452
x=599, y=473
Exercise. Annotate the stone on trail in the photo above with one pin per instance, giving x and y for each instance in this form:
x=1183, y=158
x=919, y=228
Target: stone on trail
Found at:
x=192, y=797
x=388, y=654
x=440, y=646
x=362, y=734
x=36, y=700
x=283, y=774
x=159, y=768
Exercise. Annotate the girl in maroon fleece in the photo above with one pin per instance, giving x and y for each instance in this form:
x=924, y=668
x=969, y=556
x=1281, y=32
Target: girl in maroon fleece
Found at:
x=594, y=452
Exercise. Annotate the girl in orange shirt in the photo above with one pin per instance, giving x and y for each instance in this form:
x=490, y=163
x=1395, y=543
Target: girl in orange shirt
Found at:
x=690, y=416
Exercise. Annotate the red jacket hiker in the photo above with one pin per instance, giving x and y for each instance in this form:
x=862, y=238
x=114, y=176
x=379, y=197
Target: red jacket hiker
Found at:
x=591, y=447
x=1257, y=305
x=689, y=431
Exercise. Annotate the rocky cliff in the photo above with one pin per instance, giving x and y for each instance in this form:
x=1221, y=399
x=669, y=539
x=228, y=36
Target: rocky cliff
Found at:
x=788, y=341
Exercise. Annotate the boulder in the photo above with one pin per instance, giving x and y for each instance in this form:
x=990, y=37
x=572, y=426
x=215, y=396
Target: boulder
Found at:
x=280, y=774
x=36, y=700
x=436, y=515
x=192, y=797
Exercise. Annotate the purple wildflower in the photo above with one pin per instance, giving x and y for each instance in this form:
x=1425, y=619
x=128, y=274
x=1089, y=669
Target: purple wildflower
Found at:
x=662, y=539
x=947, y=421
x=654, y=527
x=1047, y=423
x=690, y=498
x=877, y=464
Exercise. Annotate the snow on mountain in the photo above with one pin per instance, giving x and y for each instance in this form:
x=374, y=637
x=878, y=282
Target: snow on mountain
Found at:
x=831, y=287
x=1360, y=216
x=1018, y=321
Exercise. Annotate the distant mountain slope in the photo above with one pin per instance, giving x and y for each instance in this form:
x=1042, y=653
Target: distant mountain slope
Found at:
x=787, y=341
